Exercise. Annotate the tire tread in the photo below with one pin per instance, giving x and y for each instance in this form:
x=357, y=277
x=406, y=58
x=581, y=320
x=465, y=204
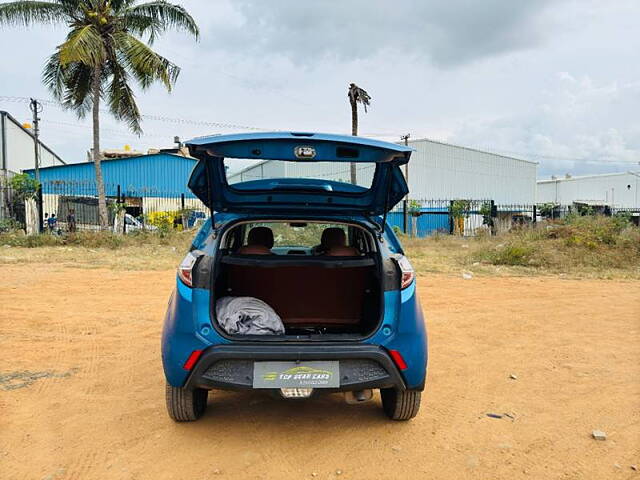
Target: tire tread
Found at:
x=184, y=405
x=400, y=405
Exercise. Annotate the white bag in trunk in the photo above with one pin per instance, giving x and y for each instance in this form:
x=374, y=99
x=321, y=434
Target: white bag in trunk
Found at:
x=247, y=316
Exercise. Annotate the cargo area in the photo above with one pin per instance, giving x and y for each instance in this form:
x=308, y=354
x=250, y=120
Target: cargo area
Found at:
x=312, y=298
x=320, y=278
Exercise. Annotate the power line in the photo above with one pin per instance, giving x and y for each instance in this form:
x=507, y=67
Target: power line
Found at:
x=234, y=126
x=159, y=118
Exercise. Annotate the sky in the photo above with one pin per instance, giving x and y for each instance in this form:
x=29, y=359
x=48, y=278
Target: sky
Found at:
x=557, y=81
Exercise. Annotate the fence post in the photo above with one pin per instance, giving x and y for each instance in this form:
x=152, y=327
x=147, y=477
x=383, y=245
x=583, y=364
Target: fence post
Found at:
x=535, y=214
x=182, y=201
x=450, y=217
x=40, y=208
x=119, y=214
x=405, y=216
x=493, y=213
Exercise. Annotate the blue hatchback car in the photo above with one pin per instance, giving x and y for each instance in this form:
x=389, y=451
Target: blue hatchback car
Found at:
x=312, y=256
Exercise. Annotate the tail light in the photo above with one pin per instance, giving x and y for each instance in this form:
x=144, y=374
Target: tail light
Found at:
x=407, y=272
x=398, y=360
x=185, y=270
x=191, y=361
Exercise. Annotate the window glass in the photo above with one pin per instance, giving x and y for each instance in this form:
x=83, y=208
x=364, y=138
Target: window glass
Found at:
x=273, y=169
x=304, y=235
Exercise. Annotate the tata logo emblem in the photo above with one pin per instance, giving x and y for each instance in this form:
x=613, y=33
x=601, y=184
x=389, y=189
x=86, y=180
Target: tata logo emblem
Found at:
x=304, y=152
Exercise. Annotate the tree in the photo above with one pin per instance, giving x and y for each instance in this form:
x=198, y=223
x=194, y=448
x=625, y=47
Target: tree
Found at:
x=356, y=95
x=103, y=51
x=24, y=186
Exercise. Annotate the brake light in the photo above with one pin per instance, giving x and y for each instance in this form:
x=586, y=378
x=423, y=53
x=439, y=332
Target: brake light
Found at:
x=185, y=270
x=193, y=358
x=407, y=272
x=398, y=360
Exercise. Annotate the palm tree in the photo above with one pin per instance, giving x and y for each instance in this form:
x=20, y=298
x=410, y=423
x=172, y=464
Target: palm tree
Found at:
x=104, y=50
x=356, y=95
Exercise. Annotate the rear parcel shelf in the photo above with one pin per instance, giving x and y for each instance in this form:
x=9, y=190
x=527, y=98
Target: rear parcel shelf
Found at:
x=263, y=261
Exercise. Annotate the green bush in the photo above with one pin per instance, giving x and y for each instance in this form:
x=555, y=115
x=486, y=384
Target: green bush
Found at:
x=575, y=243
x=9, y=225
x=512, y=254
x=107, y=240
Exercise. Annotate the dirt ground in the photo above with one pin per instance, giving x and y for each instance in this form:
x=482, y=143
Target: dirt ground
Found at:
x=82, y=390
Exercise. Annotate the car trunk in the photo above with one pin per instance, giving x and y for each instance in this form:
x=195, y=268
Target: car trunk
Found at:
x=315, y=297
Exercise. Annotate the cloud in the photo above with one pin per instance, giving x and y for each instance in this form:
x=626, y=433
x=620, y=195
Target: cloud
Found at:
x=578, y=125
x=551, y=81
x=447, y=33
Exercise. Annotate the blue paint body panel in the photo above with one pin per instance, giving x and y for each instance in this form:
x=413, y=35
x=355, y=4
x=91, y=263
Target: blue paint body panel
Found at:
x=280, y=146
x=188, y=323
x=286, y=195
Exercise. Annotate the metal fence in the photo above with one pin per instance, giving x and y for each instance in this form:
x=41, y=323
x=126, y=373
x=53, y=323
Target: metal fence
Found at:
x=424, y=217
x=12, y=207
x=65, y=206
x=74, y=206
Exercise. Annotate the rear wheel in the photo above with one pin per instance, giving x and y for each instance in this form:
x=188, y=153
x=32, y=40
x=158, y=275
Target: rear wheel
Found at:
x=185, y=405
x=400, y=404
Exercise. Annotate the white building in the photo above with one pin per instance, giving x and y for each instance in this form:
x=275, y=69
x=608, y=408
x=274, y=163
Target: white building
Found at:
x=17, y=148
x=618, y=190
x=443, y=171
x=437, y=171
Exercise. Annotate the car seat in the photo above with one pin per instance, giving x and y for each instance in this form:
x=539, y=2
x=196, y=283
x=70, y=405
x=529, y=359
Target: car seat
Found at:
x=335, y=243
x=259, y=242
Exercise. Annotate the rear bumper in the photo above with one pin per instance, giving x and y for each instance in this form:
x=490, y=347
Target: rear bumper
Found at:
x=230, y=367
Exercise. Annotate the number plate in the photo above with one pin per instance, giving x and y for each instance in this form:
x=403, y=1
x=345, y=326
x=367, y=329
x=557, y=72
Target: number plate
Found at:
x=296, y=374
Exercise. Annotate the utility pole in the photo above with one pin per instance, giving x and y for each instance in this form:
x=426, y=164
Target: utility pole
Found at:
x=36, y=108
x=405, y=203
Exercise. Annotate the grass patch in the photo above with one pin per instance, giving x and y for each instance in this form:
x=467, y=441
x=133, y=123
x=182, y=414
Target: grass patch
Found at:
x=134, y=251
x=596, y=247
x=589, y=246
x=96, y=239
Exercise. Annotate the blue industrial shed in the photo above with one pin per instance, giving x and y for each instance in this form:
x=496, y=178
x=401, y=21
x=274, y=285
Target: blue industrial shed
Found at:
x=144, y=184
x=160, y=174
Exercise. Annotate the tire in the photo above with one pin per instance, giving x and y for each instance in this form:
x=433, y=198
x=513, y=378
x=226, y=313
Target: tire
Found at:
x=184, y=405
x=400, y=404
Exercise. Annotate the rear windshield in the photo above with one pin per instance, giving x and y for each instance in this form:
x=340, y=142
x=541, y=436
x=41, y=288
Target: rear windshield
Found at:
x=239, y=171
x=302, y=235
x=299, y=238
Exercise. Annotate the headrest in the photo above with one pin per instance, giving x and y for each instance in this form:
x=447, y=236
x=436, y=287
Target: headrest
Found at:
x=333, y=237
x=260, y=236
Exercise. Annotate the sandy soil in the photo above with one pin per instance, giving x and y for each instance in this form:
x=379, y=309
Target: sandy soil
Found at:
x=82, y=390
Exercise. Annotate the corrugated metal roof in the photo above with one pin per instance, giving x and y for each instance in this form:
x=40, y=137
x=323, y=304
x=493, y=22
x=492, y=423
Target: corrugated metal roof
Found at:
x=585, y=177
x=157, y=174
x=417, y=140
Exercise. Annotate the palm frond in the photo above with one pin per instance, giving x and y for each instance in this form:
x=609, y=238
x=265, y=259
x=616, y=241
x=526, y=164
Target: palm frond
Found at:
x=78, y=95
x=146, y=65
x=27, y=12
x=53, y=75
x=168, y=14
x=69, y=83
x=83, y=44
x=359, y=95
x=140, y=25
x=122, y=101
